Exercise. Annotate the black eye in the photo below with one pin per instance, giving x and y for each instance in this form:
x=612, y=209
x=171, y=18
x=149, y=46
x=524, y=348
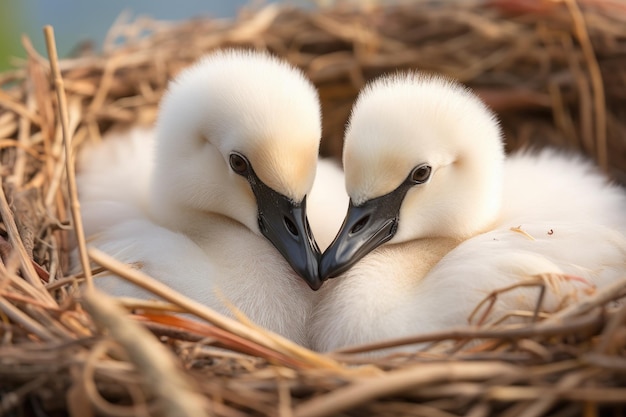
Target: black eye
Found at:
x=421, y=174
x=238, y=163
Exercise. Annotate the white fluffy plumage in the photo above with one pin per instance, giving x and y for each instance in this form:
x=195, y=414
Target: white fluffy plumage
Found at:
x=167, y=202
x=481, y=222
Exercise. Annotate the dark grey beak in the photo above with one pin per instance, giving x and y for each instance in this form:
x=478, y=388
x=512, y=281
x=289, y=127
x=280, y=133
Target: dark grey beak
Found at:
x=284, y=223
x=365, y=227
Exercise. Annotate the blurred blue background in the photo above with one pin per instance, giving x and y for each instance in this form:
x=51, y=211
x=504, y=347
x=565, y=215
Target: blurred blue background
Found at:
x=80, y=20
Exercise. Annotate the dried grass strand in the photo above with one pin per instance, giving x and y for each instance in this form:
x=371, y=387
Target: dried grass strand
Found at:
x=398, y=381
x=155, y=363
x=16, y=243
x=69, y=157
x=264, y=338
x=25, y=320
x=542, y=329
x=580, y=28
x=90, y=389
x=601, y=297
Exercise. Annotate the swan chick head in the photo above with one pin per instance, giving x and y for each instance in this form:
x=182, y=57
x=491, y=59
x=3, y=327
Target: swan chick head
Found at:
x=423, y=157
x=238, y=136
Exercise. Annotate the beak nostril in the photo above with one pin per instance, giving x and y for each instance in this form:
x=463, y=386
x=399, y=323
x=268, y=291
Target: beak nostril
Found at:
x=360, y=224
x=291, y=227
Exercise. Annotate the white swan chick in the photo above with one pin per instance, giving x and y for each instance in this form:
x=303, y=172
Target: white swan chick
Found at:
x=438, y=218
x=214, y=206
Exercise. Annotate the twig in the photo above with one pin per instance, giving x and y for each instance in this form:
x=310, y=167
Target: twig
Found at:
x=361, y=391
x=548, y=399
x=222, y=338
x=11, y=400
x=542, y=329
x=16, y=242
x=611, y=362
x=23, y=319
x=255, y=26
x=69, y=157
x=23, y=138
x=606, y=344
x=8, y=102
x=155, y=363
x=58, y=155
x=578, y=394
x=602, y=296
x=580, y=29
x=36, y=293
x=27, y=300
x=6, y=143
x=266, y=338
x=492, y=298
x=91, y=391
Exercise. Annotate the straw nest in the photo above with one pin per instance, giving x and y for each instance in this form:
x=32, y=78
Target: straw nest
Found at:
x=554, y=71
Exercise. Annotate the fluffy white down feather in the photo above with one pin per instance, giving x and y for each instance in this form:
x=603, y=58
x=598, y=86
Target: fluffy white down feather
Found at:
x=558, y=215
x=176, y=227
x=113, y=180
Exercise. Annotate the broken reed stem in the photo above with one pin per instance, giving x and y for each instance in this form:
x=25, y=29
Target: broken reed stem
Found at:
x=152, y=359
x=264, y=338
x=69, y=159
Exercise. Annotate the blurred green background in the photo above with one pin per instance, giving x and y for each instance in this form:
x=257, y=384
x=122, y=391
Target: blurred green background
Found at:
x=76, y=21
x=12, y=21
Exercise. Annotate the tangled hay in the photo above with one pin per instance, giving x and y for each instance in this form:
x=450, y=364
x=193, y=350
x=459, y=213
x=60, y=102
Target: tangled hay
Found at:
x=554, y=71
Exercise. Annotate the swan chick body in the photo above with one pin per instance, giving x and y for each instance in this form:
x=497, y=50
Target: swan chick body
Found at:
x=199, y=202
x=438, y=219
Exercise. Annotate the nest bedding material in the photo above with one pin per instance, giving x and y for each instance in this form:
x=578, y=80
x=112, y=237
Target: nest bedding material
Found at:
x=554, y=71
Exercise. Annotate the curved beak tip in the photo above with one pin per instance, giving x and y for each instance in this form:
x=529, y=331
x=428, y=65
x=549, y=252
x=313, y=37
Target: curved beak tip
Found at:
x=309, y=272
x=364, y=229
x=315, y=284
x=284, y=223
x=334, y=263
